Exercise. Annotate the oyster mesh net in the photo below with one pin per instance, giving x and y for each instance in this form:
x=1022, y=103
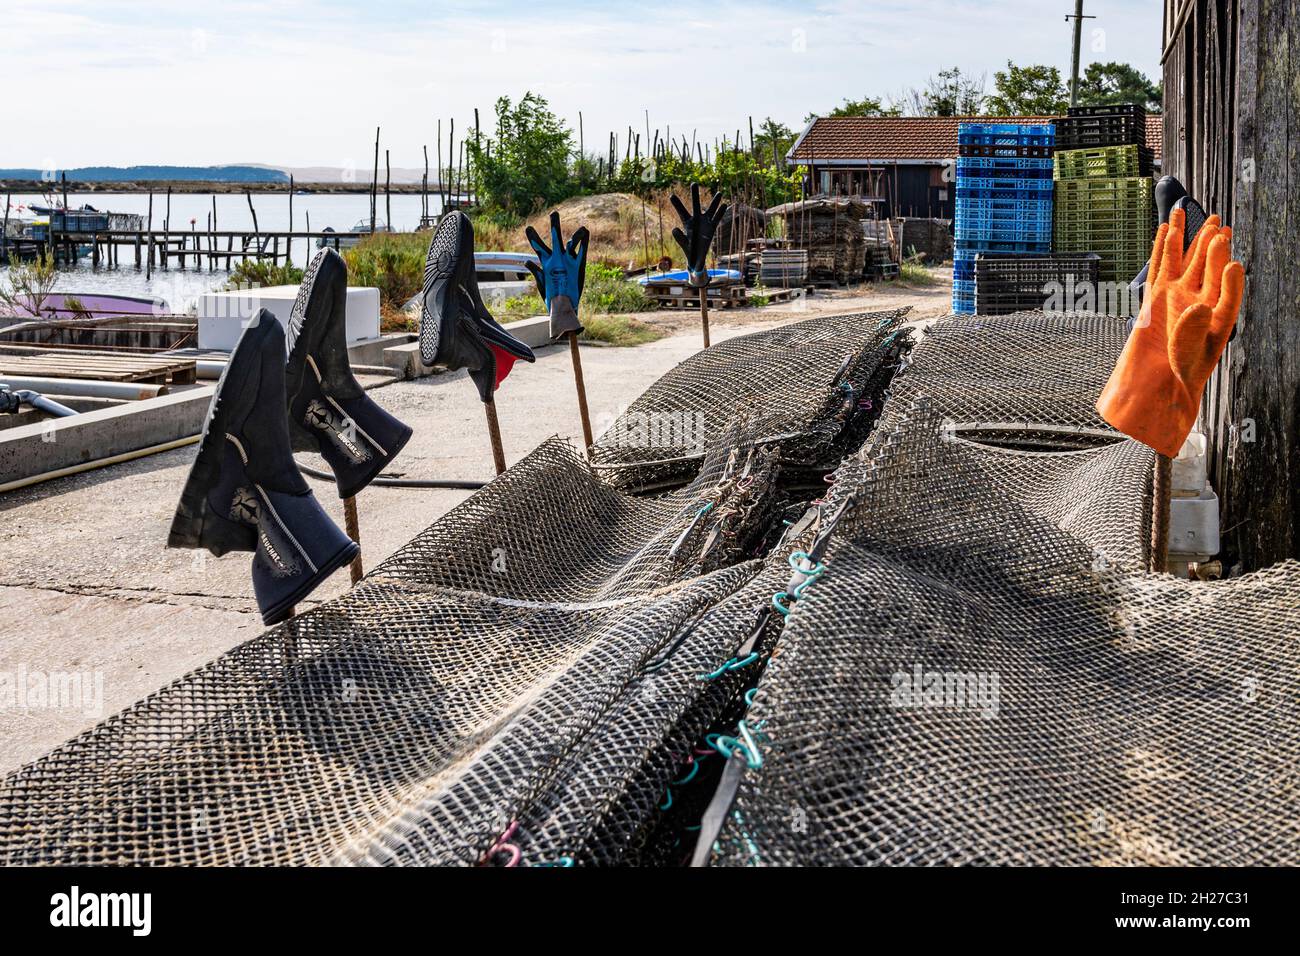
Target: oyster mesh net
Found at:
x=414, y=718
x=556, y=671
x=970, y=682
x=1028, y=380
x=521, y=681
x=816, y=387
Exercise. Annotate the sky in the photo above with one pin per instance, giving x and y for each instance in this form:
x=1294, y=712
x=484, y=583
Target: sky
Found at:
x=305, y=82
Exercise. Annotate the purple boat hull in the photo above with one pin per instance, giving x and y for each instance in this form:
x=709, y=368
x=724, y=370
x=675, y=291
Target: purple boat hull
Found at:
x=56, y=306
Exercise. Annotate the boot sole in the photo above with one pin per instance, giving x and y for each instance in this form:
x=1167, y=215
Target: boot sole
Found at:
x=441, y=269
x=279, y=611
x=195, y=524
x=306, y=338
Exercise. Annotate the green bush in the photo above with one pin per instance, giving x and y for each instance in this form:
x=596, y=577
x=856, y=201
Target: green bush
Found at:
x=607, y=290
x=259, y=274
x=392, y=262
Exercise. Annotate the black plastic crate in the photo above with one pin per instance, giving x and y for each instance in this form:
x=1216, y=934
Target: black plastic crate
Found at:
x=988, y=149
x=1083, y=132
x=1116, y=109
x=1003, y=281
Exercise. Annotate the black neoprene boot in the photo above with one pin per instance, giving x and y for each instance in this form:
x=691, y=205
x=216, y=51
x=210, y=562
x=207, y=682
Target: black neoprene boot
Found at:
x=244, y=492
x=329, y=411
x=455, y=328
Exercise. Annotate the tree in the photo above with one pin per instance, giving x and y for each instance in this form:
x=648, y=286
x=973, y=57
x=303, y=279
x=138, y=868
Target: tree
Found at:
x=526, y=166
x=867, y=106
x=1107, y=84
x=949, y=93
x=1028, y=91
x=773, y=140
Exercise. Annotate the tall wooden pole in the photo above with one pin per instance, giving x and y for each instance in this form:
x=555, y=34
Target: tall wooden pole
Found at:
x=494, y=436
x=374, y=184
x=1162, y=491
x=582, y=390
x=353, y=528
x=148, y=270
x=704, y=313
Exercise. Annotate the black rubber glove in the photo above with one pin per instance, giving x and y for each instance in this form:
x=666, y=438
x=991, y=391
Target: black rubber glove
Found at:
x=696, y=234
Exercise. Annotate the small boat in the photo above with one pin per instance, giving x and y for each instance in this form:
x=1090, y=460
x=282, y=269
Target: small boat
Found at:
x=354, y=235
x=503, y=266
x=680, y=277
x=58, y=305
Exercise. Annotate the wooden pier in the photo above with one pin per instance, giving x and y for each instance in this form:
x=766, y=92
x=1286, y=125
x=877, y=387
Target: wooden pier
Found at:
x=180, y=248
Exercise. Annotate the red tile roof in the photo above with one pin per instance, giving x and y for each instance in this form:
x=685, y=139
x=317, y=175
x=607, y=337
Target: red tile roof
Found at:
x=887, y=138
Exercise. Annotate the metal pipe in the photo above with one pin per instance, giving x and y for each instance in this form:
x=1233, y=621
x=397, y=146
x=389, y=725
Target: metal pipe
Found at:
x=85, y=388
x=41, y=403
x=98, y=463
x=452, y=483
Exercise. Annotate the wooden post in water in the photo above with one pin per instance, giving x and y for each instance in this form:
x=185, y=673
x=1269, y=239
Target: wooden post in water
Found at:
x=4, y=232
x=374, y=183
x=257, y=233
x=388, y=193
x=148, y=272
x=424, y=198
x=212, y=240
x=288, y=245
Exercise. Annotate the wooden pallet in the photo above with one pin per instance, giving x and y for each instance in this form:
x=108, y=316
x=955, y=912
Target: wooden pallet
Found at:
x=692, y=301
x=99, y=366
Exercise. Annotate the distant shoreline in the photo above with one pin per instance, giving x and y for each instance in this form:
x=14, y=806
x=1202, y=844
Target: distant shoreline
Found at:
x=197, y=186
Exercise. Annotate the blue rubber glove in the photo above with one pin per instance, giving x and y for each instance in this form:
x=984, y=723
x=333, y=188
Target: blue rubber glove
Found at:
x=560, y=273
x=696, y=234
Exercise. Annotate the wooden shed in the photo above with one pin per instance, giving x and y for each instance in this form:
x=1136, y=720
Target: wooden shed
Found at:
x=1231, y=106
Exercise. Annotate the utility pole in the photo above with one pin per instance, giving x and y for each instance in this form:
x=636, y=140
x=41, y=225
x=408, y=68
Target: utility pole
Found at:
x=1078, y=19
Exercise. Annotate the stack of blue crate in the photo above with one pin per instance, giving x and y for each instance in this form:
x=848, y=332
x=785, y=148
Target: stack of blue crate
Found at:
x=1004, y=197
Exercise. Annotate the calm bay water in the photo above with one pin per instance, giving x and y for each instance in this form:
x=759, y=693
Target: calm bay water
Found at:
x=180, y=288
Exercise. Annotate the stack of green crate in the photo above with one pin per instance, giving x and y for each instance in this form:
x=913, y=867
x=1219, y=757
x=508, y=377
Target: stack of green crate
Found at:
x=1105, y=205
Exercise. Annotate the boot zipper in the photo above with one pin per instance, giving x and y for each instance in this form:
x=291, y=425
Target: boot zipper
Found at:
x=274, y=514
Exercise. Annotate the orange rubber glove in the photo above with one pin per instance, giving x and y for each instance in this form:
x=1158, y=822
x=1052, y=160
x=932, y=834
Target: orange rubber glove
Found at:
x=1154, y=393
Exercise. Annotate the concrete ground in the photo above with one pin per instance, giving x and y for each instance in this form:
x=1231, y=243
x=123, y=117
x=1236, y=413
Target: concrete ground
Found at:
x=88, y=588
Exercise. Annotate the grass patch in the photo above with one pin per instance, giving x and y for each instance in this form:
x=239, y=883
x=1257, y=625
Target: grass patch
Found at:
x=607, y=291
x=622, y=330
x=520, y=307
x=913, y=273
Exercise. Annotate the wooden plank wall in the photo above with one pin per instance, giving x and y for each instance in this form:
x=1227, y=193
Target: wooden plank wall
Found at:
x=1230, y=104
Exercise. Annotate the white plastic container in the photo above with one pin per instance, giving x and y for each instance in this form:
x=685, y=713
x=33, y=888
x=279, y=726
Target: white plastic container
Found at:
x=1194, y=527
x=222, y=314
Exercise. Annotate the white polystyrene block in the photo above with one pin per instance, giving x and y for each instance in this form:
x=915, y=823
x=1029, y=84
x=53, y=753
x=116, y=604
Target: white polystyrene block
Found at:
x=1188, y=472
x=222, y=314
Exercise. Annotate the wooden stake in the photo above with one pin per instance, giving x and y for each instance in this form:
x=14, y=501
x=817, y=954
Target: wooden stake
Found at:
x=494, y=436
x=354, y=532
x=582, y=390
x=1160, y=497
x=704, y=313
